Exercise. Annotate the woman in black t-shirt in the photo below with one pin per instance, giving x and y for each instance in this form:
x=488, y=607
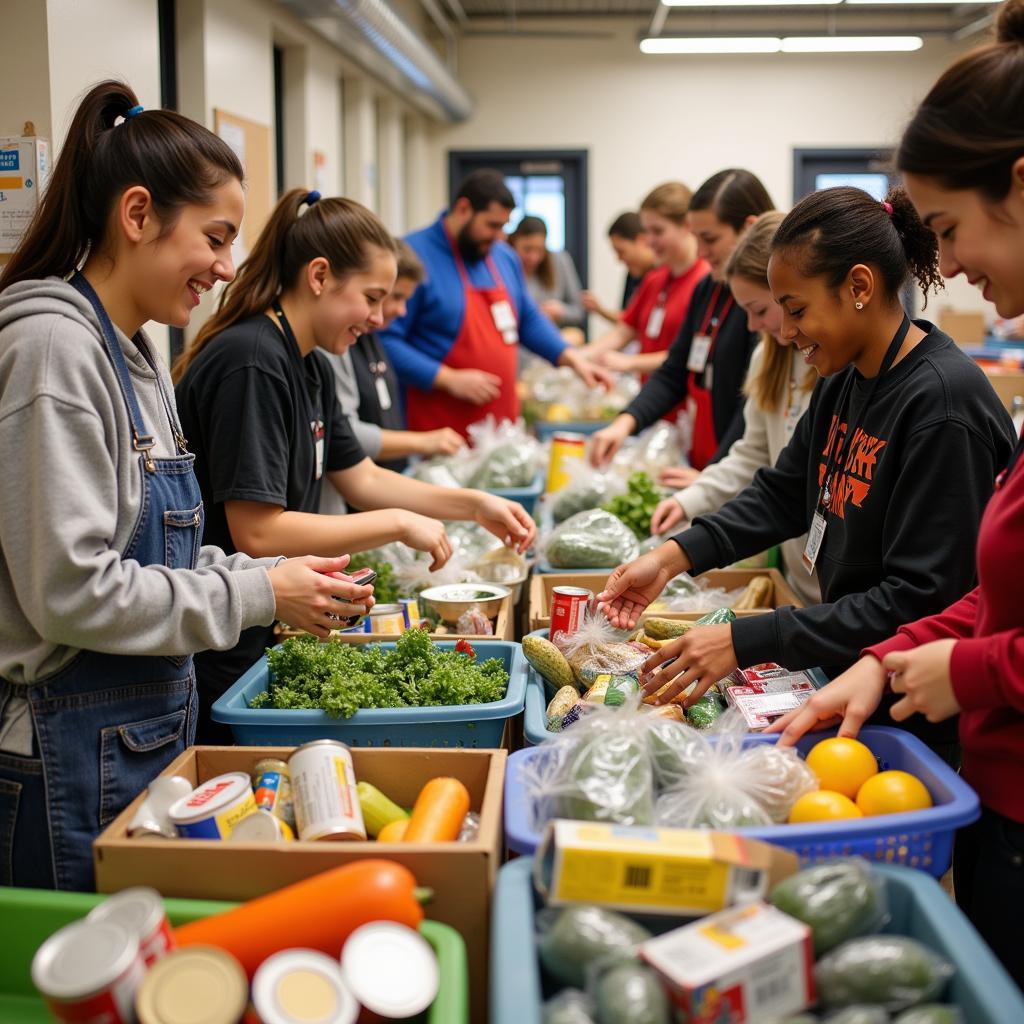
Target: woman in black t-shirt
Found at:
x=257, y=402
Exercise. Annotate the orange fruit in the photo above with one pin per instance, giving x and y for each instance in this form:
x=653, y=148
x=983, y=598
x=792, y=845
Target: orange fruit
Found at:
x=842, y=765
x=823, y=805
x=893, y=793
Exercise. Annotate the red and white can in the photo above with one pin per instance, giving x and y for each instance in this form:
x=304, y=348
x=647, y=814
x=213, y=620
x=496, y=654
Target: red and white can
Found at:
x=141, y=911
x=568, y=606
x=89, y=973
x=324, y=791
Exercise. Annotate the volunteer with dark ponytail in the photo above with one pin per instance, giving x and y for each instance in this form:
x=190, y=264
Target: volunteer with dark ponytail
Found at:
x=258, y=401
x=105, y=589
x=893, y=508
x=707, y=363
x=962, y=156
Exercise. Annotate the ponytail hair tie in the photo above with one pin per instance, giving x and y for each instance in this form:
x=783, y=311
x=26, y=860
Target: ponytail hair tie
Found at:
x=311, y=197
x=887, y=207
x=135, y=111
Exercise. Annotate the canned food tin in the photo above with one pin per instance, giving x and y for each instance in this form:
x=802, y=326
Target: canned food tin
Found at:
x=368, y=962
x=568, y=606
x=89, y=973
x=324, y=786
x=261, y=827
x=141, y=911
x=297, y=986
x=272, y=787
x=386, y=618
x=150, y=819
x=200, y=985
x=566, y=450
x=411, y=611
x=214, y=808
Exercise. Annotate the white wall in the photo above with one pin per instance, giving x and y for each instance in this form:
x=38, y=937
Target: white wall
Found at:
x=646, y=119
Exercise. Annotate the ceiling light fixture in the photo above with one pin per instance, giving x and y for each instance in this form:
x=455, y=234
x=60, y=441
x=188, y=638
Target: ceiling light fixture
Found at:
x=750, y=3
x=710, y=44
x=917, y=3
x=773, y=44
x=851, y=44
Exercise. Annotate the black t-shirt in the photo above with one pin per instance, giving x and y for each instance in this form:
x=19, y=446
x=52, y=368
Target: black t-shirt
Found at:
x=255, y=413
x=630, y=285
x=373, y=373
x=725, y=373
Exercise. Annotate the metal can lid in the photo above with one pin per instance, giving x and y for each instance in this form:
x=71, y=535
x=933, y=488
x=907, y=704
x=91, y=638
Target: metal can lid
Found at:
x=368, y=962
x=139, y=909
x=573, y=591
x=270, y=764
x=195, y=985
x=210, y=797
x=297, y=986
x=83, y=958
x=261, y=826
x=317, y=743
x=569, y=437
x=385, y=609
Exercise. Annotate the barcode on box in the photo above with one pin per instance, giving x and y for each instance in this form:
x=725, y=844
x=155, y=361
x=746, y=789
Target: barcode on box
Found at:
x=772, y=990
x=747, y=884
x=636, y=876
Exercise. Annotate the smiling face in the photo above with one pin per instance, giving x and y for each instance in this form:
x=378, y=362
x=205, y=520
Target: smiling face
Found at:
x=668, y=240
x=715, y=239
x=981, y=239
x=352, y=305
x=763, y=312
x=172, y=269
x=531, y=250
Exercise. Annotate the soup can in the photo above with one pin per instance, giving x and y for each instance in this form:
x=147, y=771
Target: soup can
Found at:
x=272, y=789
x=261, y=827
x=297, y=986
x=386, y=618
x=393, y=995
x=89, y=972
x=214, y=808
x=567, y=450
x=150, y=819
x=324, y=787
x=568, y=606
x=411, y=611
x=198, y=984
x=141, y=911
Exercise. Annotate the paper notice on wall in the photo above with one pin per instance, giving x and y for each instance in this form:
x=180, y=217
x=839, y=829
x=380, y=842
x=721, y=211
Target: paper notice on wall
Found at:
x=24, y=171
x=234, y=135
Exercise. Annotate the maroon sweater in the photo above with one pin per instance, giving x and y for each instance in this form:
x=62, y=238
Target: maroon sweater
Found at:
x=987, y=665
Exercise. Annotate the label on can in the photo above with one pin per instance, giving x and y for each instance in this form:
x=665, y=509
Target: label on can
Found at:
x=568, y=606
x=273, y=792
x=566, y=449
x=386, y=618
x=214, y=808
x=114, y=1005
x=326, y=801
x=411, y=609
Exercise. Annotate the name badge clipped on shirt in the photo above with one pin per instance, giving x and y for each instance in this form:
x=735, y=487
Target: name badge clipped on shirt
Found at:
x=505, y=321
x=383, y=393
x=793, y=414
x=815, y=535
x=700, y=349
x=317, y=426
x=655, y=322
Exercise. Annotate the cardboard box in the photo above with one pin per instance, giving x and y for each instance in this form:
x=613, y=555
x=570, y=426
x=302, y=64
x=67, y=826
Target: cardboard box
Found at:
x=1008, y=384
x=24, y=172
x=674, y=871
x=752, y=963
x=460, y=874
x=542, y=584
x=965, y=327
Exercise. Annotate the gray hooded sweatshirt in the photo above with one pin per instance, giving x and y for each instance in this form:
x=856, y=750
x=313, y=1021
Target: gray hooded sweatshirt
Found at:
x=70, y=498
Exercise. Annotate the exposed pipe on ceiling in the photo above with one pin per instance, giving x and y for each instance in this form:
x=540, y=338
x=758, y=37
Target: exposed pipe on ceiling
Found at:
x=376, y=38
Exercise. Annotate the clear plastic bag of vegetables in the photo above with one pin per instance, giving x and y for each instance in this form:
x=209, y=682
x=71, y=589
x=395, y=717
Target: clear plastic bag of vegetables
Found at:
x=653, y=450
x=587, y=488
x=597, y=647
x=505, y=456
x=599, y=770
x=439, y=471
x=594, y=539
x=735, y=786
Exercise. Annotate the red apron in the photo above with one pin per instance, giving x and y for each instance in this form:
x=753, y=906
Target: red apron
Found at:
x=704, y=440
x=480, y=345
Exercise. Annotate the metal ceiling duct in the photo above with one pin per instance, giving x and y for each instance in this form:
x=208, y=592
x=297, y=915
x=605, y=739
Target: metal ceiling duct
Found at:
x=371, y=34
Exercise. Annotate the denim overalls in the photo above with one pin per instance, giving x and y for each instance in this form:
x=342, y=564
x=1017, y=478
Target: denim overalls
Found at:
x=105, y=724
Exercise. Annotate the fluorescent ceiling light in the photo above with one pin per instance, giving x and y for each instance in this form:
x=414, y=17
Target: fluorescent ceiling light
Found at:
x=752, y=3
x=851, y=44
x=706, y=44
x=918, y=3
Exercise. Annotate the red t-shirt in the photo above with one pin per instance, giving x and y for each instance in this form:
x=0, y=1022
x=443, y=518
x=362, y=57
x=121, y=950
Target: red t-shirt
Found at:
x=987, y=664
x=660, y=288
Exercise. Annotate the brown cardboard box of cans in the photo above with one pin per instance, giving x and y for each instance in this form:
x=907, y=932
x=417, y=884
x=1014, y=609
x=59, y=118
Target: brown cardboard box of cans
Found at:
x=541, y=585
x=460, y=874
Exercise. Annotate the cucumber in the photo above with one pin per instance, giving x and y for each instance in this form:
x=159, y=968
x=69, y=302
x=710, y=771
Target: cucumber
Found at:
x=859, y=1015
x=568, y=1007
x=705, y=712
x=718, y=617
x=580, y=936
x=839, y=901
x=931, y=1013
x=630, y=994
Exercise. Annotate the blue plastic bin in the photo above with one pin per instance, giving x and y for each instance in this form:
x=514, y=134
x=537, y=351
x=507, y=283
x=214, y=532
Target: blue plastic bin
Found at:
x=463, y=725
x=919, y=909
x=920, y=839
x=547, y=428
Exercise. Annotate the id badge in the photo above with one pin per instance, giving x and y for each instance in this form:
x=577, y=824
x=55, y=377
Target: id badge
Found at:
x=383, y=393
x=505, y=321
x=793, y=414
x=700, y=349
x=319, y=458
x=815, y=535
x=655, y=322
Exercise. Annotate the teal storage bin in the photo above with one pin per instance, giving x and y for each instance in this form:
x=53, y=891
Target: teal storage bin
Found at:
x=918, y=908
x=462, y=725
x=526, y=496
x=29, y=916
x=548, y=428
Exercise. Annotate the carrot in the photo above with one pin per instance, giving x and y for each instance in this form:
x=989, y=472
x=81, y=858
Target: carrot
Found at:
x=316, y=913
x=393, y=831
x=438, y=813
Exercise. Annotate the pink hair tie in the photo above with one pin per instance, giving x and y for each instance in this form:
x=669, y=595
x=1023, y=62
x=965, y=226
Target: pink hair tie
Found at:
x=887, y=207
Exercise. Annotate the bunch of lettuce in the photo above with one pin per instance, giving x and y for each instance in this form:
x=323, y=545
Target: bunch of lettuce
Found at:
x=342, y=678
x=636, y=507
x=385, y=587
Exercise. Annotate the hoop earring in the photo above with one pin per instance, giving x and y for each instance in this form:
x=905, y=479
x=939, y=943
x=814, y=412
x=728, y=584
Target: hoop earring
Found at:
x=858, y=305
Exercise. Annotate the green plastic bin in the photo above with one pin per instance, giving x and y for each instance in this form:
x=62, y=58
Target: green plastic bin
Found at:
x=29, y=916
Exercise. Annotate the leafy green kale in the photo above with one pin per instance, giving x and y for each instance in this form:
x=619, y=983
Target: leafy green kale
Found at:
x=385, y=588
x=341, y=678
x=637, y=505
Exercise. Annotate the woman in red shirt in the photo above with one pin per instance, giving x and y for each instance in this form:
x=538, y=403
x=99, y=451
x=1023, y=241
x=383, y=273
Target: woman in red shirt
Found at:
x=962, y=156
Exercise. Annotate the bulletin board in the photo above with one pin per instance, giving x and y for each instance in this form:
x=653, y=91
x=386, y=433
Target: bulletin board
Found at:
x=251, y=144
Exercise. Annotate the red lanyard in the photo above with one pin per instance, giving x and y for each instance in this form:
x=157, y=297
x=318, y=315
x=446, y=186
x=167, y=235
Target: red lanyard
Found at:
x=714, y=321
x=464, y=274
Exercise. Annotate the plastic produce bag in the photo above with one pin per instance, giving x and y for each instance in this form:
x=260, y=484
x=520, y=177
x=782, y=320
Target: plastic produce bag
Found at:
x=684, y=594
x=858, y=1015
x=931, y=1013
x=779, y=776
x=676, y=749
x=573, y=941
x=597, y=647
x=470, y=542
x=505, y=455
x=656, y=448
x=587, y=488
x=570, y=1006
x=435, y=471
x=885, y=970
x=591, y=540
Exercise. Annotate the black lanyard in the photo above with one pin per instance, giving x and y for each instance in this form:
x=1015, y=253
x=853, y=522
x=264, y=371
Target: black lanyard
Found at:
x=314, y=406
x=824, y=492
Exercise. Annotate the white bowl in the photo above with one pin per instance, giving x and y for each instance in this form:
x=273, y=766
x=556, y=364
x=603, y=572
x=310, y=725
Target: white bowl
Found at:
x=453, y=599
